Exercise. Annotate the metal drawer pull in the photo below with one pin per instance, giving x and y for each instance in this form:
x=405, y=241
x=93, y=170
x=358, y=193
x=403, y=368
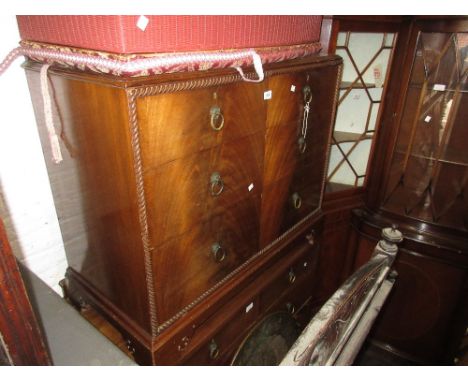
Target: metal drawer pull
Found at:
x=214, y=349
x=291, y=276
x=217, y=184
x=219, y=254
x=307, y=94
x=290, y=308
x=216, y=118
x=296, y=200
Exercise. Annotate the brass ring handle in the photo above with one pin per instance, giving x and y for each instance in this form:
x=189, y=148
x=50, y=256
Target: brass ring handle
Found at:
x=216, y=118
x=219, y=254
x=301, y=142
x=291, y=276
x=214, y=349
x=216, y=184
x=296, y=200
x=290, y=308
x=307, y=94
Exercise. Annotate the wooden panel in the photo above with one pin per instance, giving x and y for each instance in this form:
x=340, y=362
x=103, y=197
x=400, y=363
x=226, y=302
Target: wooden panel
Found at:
x=284, y=204
x=287, y=100
x=287, y=122
x=185, y=267
x=419, y=320
x=294, y=285
x=417, y=317
x=223, y=339
x=176, y=125
x=335, y=256
x=94, y=189
x=363, y=252
x=288, y=173
x=178, y=194
x=283, y=155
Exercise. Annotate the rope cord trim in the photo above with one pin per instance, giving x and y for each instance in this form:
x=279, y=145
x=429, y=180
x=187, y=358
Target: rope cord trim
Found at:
x=48, y=115
x=139, y=64
x=117, y=66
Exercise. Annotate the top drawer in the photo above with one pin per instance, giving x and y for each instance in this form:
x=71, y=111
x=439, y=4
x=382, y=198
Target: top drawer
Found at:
x=289, y=94
x=175, y=125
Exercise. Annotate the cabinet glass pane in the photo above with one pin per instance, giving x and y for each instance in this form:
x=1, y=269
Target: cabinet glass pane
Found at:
x=366, y=60
x=429, y=170
x=352, y=113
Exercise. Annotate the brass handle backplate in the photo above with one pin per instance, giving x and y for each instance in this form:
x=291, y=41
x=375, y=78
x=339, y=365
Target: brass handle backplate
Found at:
x=307, y=91
x=216, y=118
x=219, y=254
x=216, y=184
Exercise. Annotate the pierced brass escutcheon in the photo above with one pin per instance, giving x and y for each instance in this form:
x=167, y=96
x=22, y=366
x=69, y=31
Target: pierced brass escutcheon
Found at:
x=216, y=118
x=214, y=349
x=307, y=91
x=216, y=184
x=296, y=200
x=219, y=254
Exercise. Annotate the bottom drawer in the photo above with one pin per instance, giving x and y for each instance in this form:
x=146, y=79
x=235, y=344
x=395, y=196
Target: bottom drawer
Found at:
x=216, y=351
x=294, y=284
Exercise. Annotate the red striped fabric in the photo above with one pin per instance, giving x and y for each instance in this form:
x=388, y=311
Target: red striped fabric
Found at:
x=120, y=34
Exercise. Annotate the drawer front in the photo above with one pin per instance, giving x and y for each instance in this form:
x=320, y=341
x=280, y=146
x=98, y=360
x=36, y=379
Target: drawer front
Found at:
x=184, y=192
x=287, y=202
x=287, y=99
x=175, y=125
x=292, y=118
x=218, y=350
x=291, y=289
x=287, y=152
x=187, y=266
x=200, y=344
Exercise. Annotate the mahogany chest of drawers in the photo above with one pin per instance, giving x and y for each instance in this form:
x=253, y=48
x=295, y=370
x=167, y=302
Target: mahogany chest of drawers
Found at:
x=189, y=203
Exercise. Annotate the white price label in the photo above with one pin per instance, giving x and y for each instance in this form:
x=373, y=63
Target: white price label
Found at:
x=439, y=87
x=251, y=186
x=293, y=88
x=142, y=23
x=268, y=94
x=249, y=307
x=427, y=119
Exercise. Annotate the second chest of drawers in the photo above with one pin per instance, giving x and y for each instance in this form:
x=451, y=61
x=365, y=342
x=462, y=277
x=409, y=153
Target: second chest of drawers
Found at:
x=184, y=181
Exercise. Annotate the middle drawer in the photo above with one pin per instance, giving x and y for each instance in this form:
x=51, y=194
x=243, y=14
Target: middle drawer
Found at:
x=184, y=192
